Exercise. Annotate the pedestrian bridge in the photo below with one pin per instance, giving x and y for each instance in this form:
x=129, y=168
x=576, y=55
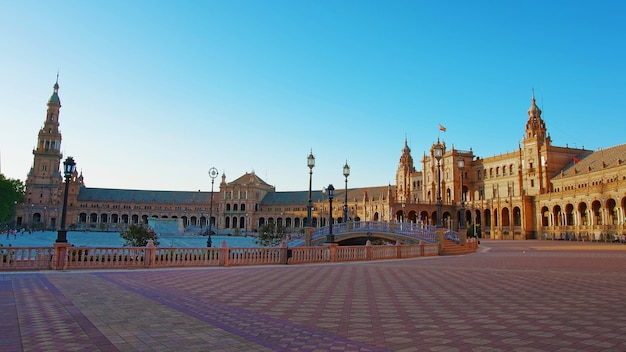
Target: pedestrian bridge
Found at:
x=359, y=232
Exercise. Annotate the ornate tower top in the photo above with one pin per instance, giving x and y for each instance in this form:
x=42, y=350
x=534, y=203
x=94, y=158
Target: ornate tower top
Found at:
x=406, y=160
x=404, y=173
x=54, y=98
x=535, y=126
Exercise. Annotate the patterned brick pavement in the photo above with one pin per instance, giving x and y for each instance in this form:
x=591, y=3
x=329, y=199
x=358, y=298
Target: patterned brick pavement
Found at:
x=511, y=296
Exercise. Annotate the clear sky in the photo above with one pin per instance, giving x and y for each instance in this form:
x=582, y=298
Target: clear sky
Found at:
x=154, y=93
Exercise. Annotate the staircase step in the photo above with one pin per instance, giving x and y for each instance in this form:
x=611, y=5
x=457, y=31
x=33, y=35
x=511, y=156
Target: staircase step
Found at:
x=453, y=248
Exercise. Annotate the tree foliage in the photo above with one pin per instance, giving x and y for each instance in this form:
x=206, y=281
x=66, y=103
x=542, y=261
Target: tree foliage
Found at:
x=473, y=231
x=11, y=191
x=271, y=234
x=137, y=235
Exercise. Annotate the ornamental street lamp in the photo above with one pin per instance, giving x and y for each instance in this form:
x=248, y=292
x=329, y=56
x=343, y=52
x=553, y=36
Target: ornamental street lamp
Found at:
x=69, y=166
x=461, y=165
x=438, y=150
x=15, y=213
x=310, y=161
x=212, y=174
x=331, y=192
x=31, y=217
x=402, y=215
x=346, y=173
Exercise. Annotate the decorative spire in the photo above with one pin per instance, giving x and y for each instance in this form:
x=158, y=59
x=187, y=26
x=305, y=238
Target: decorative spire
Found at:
x=406, y=148
x=54, y=98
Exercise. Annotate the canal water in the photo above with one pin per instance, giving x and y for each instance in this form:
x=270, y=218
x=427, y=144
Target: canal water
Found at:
x=113, y=239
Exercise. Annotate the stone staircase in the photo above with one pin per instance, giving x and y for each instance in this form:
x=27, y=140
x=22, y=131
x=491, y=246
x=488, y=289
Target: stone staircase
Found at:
x=453, y=248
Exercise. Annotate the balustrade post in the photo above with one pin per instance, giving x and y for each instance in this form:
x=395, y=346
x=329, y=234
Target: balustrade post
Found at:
x=369, y=250
x=60, y=255
x=332, y=247
x=284, y=253
x=391, y=226
x=398, y=249
x=223, y=259
x=422, y=248
x=150, y=255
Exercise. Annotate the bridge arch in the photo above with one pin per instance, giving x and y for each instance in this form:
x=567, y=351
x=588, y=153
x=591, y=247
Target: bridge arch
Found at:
x=355, y=233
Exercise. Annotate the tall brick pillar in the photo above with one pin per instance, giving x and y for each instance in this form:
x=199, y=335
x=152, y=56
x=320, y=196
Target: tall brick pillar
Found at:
x=308, y=236
x=462, y=236
x=439, y=232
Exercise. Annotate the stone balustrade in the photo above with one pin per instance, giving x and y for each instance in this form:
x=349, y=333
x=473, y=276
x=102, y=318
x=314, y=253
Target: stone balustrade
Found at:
x=26, y=258
x=76, y=258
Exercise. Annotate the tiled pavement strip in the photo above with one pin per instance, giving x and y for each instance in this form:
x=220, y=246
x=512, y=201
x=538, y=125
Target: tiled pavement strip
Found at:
x=511, y=296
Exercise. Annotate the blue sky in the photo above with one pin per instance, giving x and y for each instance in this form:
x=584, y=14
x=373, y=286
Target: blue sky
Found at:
x=154, y=93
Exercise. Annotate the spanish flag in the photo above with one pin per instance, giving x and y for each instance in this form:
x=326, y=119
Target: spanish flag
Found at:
x=441, y=128
x=576, y=160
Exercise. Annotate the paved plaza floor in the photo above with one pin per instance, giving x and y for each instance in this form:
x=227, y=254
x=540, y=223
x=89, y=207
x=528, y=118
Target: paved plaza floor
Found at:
x=510, y=296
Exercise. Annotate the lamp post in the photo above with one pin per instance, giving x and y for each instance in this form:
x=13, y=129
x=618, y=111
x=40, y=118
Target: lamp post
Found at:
x=346, y=173
x=321, y=207
x=310, y=161
x=15, y=214
x=461, y=165
x=331, y=192
x=438, y=150
x=212, y=174
x=69, y=166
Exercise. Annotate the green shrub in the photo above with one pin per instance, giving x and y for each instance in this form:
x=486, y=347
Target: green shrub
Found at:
x=137, y=235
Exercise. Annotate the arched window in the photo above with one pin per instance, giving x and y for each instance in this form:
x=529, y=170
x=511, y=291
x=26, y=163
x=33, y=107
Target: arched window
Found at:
x=517, y=217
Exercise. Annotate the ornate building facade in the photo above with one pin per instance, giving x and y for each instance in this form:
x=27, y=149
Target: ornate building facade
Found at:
x=538, y=191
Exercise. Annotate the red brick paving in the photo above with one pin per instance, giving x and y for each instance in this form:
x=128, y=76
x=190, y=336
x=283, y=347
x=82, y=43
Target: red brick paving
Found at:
x=511, y=296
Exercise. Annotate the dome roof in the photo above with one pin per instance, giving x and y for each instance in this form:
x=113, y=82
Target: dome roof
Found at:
x=534, y=110
x=54, y=98
x=406, y=149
